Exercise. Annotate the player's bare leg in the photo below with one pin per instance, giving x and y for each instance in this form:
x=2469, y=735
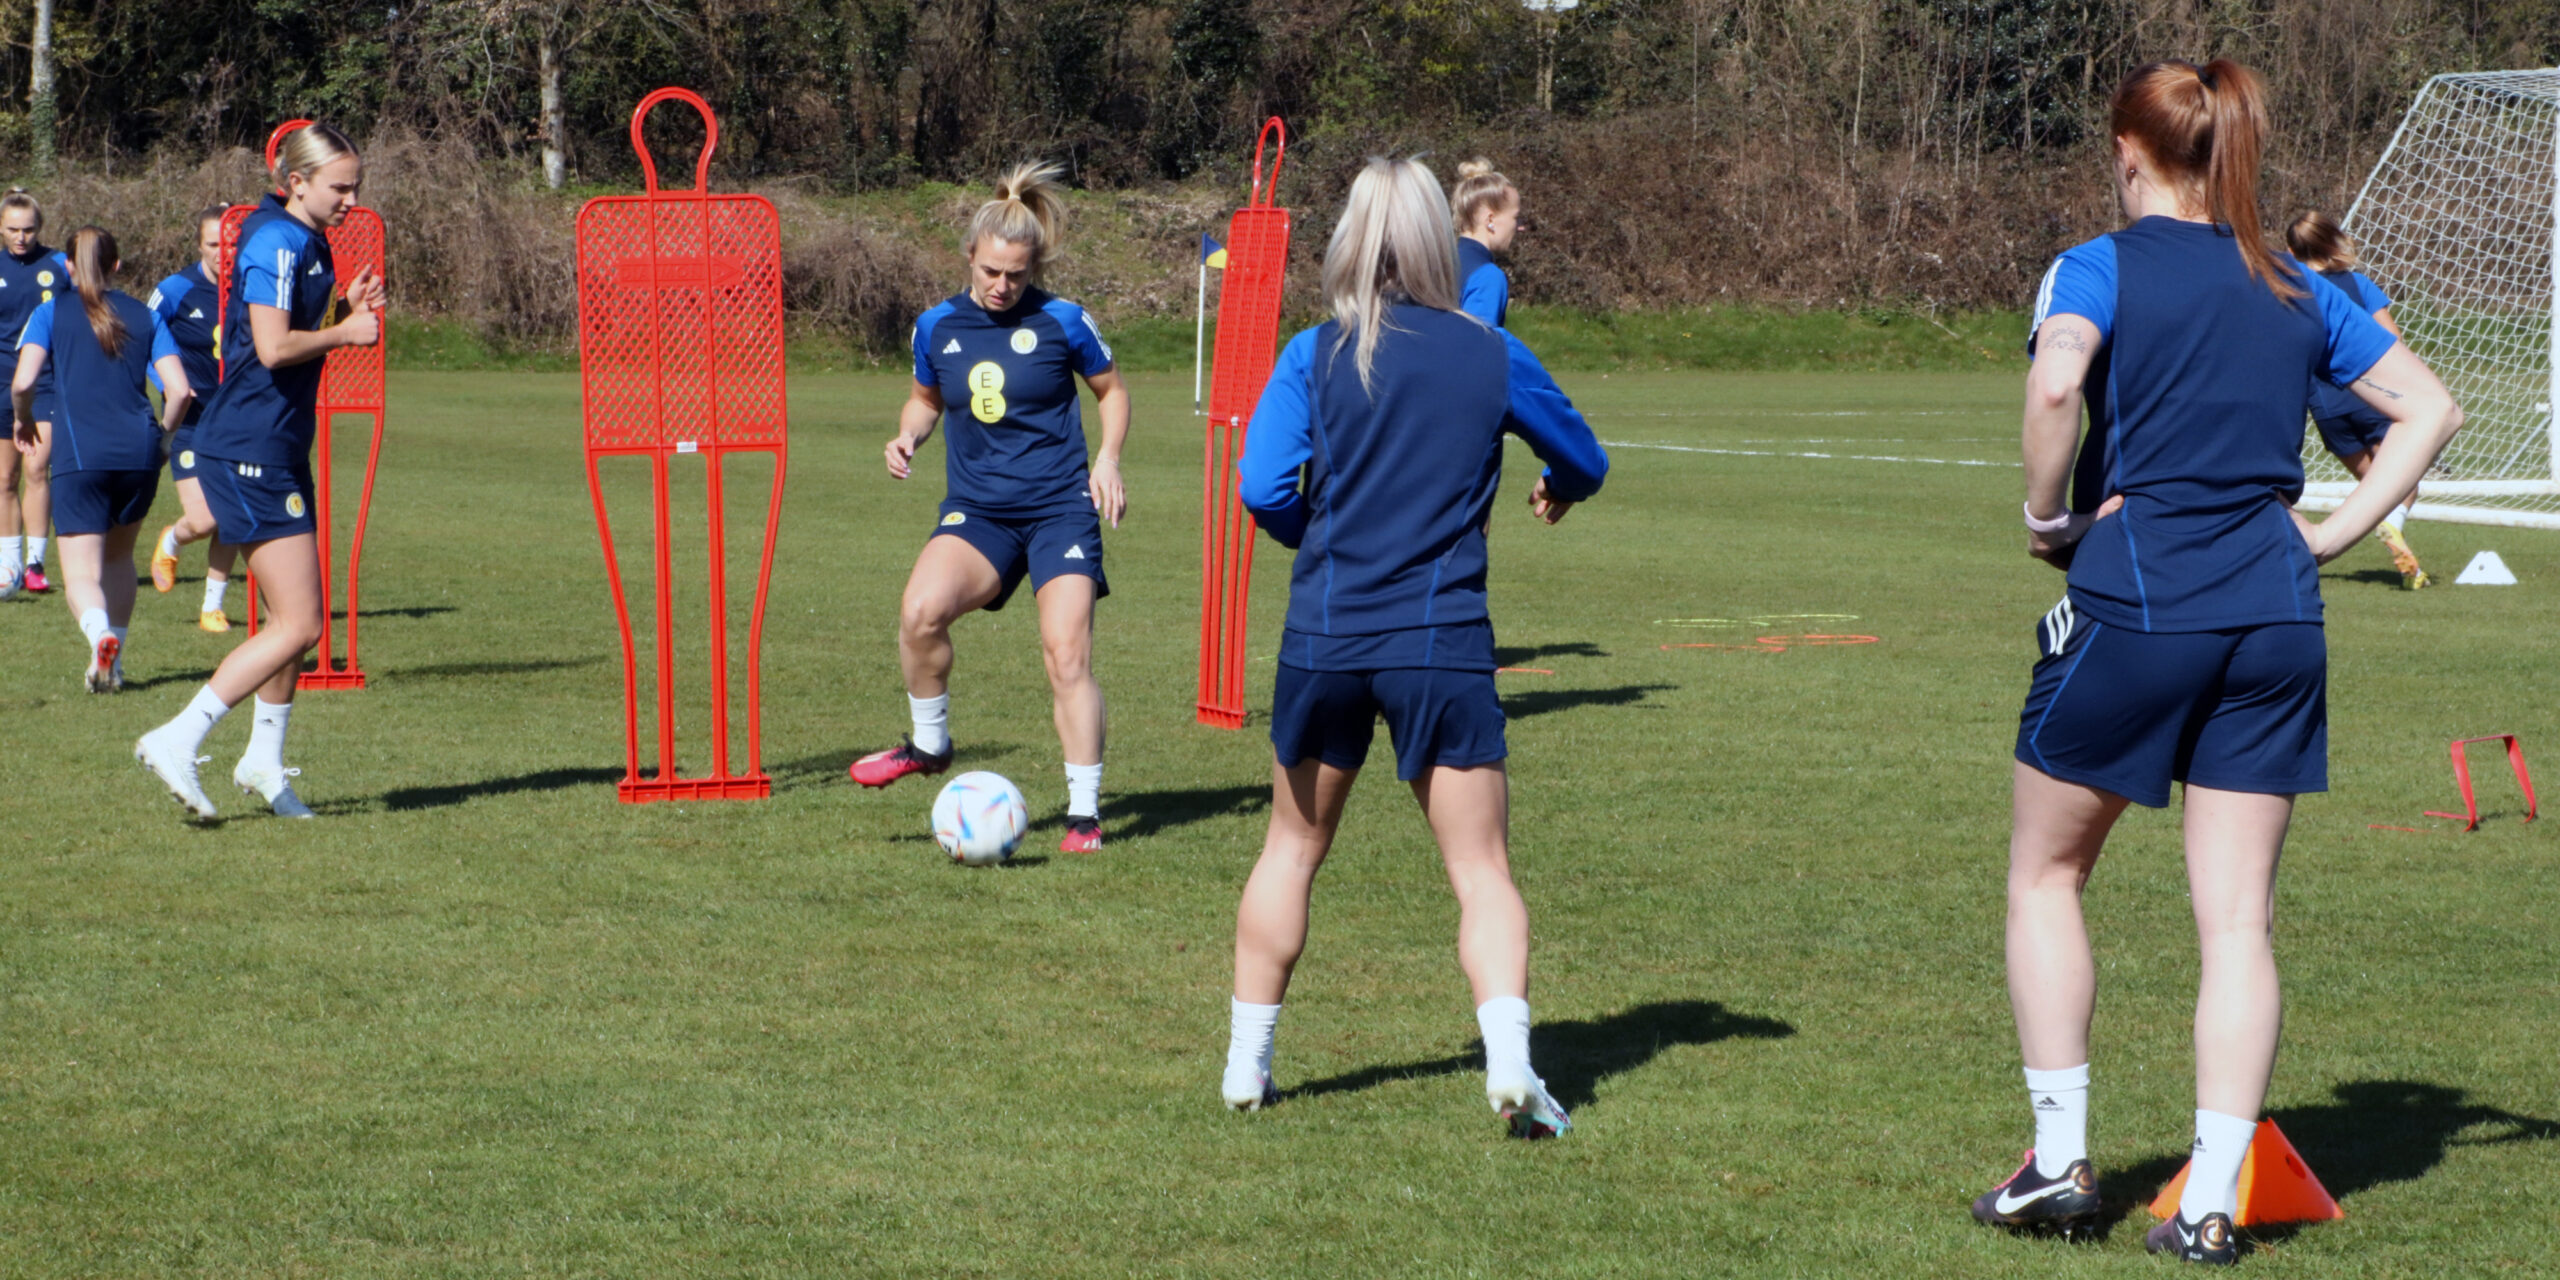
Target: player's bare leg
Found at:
x=951, y=579
x=193, y=524
x=1470, y=815
x=97, y=584
x=1066, y=650
x=37, y=506
x=1271, y=920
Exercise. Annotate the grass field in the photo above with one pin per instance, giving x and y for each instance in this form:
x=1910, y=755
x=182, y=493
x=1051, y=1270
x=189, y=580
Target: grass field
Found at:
x=482, y=1020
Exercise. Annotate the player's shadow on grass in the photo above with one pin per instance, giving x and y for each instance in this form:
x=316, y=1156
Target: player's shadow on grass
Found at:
x=465, y=670
x=2366, y=577
x=2377, y=1132
x=1538, y=702
x=1575, y=1056
x=403, y=799
x=1147, y=812
x=404, y=611
x=1512, y=657
x=169, y=677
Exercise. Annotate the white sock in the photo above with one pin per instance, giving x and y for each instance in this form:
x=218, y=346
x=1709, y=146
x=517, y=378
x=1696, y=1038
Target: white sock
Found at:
x=2399, y=517
x=213, y=591
x=35, y=550
x=2061, y=1100
x=168, y=544
x=266, y=736
x=93, y=624
x=202, y=714
x=13, y=552
x=932, y=733
x=1505, y=1023
x=2213, y=1176
x=1249, y=1032
x=1084, y=791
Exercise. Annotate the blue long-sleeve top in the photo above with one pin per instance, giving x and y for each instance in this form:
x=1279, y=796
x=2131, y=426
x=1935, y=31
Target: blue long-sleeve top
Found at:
x=1386, y=491
x=1483, y=290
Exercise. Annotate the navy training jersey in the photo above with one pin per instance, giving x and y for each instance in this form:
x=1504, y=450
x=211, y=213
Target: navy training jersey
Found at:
x=2195, y=416
x=186, y=303
x=2337, y=402
x=102, y=413
x=1483, y=290
x=1013, y=434
x=25, y=284
x=1399, y=485
x=257, y=414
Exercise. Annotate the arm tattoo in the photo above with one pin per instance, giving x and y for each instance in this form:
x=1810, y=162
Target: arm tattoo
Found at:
x=2068, y=340
x=2381, y=388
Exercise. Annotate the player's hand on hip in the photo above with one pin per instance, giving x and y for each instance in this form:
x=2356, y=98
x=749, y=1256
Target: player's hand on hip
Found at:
x=2048, y=546
x=2321, y=551
x=1110, y=496
x=902, y=454
x=1544, y=505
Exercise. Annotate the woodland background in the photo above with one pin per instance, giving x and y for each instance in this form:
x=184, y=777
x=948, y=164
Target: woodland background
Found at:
x=1910, y=154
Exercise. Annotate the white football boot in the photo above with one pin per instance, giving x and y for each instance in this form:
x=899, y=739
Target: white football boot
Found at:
x=176, y=770
x=275, y=786
x=1524, y=1101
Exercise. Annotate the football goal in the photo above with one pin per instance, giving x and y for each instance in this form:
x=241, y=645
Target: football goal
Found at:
x=2457, y=222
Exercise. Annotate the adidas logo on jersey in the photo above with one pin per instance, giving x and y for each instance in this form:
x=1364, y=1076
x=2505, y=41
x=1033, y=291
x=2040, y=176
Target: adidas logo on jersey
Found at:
x=953, y=349
x=1075, y=552
x=315, y=270
x=197, y=314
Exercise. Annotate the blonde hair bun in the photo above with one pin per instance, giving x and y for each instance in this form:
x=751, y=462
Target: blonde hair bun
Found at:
x=1030, y=209
x=1476, y=168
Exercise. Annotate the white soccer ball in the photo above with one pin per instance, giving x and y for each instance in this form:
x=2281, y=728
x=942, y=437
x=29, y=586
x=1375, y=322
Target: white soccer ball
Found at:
x=979, y=819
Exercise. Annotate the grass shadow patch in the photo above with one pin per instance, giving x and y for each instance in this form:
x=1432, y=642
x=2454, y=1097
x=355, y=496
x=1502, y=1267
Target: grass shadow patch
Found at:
x=1147, y=812
x=1538, y=702
x=402, y=799
x=466, y=670
x=1575, y=1056
x=1510, y=656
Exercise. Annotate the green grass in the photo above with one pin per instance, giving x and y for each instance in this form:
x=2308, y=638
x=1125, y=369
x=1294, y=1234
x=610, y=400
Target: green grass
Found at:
x=482, y=1020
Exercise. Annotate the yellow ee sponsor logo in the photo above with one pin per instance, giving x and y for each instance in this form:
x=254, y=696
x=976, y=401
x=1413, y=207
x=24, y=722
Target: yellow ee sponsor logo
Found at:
x=293, y=505
x=986, y=391
x=954, y=518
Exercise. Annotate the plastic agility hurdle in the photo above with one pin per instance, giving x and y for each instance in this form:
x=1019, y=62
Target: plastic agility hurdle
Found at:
x=350, y=384
x=2470, y=815
x=1248, y=341
x=680, y=356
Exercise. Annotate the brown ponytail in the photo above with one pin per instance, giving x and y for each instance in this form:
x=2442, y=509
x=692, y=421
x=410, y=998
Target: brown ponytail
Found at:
x=93, y=258
x=2320, y=243
x=2203, y=128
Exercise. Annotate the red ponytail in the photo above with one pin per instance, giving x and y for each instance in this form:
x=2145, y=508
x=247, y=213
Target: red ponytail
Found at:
x=2204, y=129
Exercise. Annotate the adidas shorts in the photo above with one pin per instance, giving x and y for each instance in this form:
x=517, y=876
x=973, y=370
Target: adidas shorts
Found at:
x=1434, y=718
x=2131, y=712
x=1036, y=547
x=96, y=501
x=253, y=502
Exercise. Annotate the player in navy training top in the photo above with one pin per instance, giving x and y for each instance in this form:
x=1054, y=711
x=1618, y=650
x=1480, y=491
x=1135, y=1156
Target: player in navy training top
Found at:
x=2188, y=645
x=102, y=347
x=996, y=366
x=1376, y=452
x=253, y=456
x=187, y=304
x=30, y=274
x=1486, y=208
x=2350, y=428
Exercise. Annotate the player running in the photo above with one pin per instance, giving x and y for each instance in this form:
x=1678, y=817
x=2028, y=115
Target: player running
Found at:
x=106, y=455
x=253, y=457
x=2188, y=647
x=186, y=302
x=998, y=363
x=30, y=274
x=1486, y=208
x=2350, y=429
x=1395, y=411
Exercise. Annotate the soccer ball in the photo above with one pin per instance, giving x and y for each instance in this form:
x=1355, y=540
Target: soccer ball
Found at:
x=979, y=819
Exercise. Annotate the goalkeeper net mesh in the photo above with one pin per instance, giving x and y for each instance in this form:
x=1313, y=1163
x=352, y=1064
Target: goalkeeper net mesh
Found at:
x=2456, y=223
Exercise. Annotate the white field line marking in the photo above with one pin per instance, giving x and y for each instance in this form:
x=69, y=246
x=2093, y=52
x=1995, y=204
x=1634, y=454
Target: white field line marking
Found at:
x=1779, y=453
x=1797, y=413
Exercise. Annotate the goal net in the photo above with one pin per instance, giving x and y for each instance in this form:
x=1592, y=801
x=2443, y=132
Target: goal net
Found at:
x=2456, y=223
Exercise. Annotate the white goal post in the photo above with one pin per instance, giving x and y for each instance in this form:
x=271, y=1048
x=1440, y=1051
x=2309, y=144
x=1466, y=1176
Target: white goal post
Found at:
x=2460, y=223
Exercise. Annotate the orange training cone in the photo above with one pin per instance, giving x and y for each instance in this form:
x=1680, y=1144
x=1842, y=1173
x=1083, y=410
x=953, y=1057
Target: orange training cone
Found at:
x=2275, y=1185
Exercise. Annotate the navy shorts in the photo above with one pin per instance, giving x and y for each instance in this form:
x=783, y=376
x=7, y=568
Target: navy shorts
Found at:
x=2130, y=712
x=255, y=503
x=182, y=453
x=1434, y=717
x=1036, y=547
x=2350, y=434
x=96, y=501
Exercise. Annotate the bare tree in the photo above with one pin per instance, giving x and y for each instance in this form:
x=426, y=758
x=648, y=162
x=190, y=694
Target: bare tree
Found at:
x=41, y=108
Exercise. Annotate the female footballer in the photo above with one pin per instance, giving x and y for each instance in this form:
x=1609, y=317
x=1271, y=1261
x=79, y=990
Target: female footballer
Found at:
x=106, y=455
x=2350, y=429
x=30, y=274
x=997, y=363
x=253, y=457
x=1486, y=208
x=2188, y=646
x=187, y=304
x=1393, y=412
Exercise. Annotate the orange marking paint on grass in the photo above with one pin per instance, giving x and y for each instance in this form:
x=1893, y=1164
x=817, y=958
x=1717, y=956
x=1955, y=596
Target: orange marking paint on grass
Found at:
x=1780, y=644
x=1522, y=671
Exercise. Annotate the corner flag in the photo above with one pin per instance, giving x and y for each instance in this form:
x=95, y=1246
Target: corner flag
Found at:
x=1212, y=254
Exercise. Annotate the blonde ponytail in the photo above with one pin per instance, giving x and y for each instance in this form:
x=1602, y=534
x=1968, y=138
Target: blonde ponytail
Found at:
x=93, y=258
x=1478, y=188
x=1030, y=209
x=1392, y=244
